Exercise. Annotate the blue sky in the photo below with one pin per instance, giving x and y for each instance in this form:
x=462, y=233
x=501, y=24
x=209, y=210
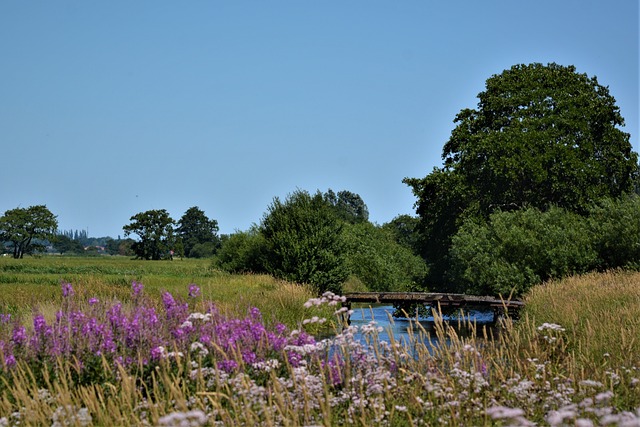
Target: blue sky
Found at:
x=112, y=108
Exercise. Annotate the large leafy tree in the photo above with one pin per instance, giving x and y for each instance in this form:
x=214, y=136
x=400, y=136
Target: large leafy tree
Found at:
x=348, y=206
x=541, y=136
x=156, y=235
x=303, y=241
x=197, y=232
x=22, y=227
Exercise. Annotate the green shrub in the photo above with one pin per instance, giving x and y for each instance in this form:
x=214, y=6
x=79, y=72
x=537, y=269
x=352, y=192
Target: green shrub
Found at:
x=303, y=240
x=382, y=264
x=615, y=225
x=515, y=250
x=242, y=252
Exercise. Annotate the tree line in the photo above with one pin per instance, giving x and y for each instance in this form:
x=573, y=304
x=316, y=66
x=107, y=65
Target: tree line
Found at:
x=537, y=182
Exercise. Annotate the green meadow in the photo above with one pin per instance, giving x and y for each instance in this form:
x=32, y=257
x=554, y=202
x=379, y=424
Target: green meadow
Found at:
x=572, y=358
x=35, y=283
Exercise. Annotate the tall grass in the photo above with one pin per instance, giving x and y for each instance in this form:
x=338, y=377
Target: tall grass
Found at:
x=33, y=283
x=545, y=369
x=601, y=315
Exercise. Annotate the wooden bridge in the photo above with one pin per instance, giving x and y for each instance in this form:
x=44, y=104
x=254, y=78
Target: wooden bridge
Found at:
x=435, y=300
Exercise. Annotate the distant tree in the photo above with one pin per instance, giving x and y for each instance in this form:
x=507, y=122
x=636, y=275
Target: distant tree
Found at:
x=155, y=231
x=541, y=136
x=404, y=229
x=348, y=206
x=125, y=248
x=22, y=227
x=303, y=241
x=112, y=246
x=63, y=244
x=118, y=246
x=195, y=229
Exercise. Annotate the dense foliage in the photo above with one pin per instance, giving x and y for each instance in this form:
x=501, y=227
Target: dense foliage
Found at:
x=303, y=244
x=156, y=234
x=514, y=250
x=378, y=261
x=321, y=240
x=242, y=252
x=24, y=229
x=198, y=233
x=541, y=136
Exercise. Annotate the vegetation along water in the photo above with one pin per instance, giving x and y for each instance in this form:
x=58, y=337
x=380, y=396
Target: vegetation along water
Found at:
x=108, y=346
x=537, y=198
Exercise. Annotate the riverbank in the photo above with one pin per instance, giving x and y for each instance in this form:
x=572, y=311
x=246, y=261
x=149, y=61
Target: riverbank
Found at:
x=174, y=357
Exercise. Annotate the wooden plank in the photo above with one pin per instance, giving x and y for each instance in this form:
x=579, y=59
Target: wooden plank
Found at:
x=443, y=299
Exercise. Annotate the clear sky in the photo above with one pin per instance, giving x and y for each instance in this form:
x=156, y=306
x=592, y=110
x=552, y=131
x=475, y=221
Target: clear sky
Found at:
x=110, y=108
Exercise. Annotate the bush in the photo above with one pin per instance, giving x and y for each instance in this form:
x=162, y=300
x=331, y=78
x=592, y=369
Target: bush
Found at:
x=303, y=240
x=615, y=226
x=382, y=264
x=242, y=252
x=203, y=250
x=516, y=250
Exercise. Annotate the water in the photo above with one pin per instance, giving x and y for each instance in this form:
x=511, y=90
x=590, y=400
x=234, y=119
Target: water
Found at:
x=399, y=327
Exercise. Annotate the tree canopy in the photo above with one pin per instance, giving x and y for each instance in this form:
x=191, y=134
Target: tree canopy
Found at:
x=21, y=227
x=198, y=233
x=348, y=206
x=541, y=136
x=303, y=244
x=155, y=231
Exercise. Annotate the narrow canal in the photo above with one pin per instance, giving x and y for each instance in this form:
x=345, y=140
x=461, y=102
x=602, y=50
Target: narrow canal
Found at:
x=363, y=314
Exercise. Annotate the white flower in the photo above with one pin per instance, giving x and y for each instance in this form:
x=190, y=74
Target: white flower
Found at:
x=551, y=326
x=193, y=418
x=503, y=412
x=200, y=348
x=591, y=383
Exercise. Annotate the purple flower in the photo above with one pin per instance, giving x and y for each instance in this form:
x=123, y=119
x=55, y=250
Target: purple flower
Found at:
x=5, y=318
x=194, y=290
x=93, y=301
x=39, y=324
x=136, y=288
x=228, y=365
x=67, y=290
x=19, y=335
x=168, y=301
x=158, y=352
x=10, y=361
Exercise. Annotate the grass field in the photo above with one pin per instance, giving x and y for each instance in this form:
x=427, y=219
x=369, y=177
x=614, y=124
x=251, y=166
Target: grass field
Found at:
x=573, y=358
x=35, y=282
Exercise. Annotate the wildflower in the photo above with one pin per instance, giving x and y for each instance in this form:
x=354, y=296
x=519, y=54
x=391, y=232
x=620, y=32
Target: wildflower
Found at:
x=19, y=335
x=551, y=327
x=136, y=288
x=69, y=415
x=199, y=348
x=168, y=300
x=158, y=352
x=591, y=383
x=604, y=397
x=67, y=290
x=10, y=360
x=194, y=291
x=194, y=418
x=93, y=301
x=505, y=413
